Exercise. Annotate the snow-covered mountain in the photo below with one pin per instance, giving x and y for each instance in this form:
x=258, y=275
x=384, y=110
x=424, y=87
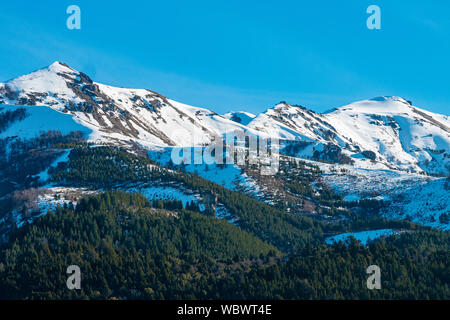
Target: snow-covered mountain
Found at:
x=115, y=114
x=383, y=133
x=401, y=135
x=292, y=122
x=386, y=132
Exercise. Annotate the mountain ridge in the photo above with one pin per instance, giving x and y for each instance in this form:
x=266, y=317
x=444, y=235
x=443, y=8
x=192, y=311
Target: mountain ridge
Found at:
x=384, y=132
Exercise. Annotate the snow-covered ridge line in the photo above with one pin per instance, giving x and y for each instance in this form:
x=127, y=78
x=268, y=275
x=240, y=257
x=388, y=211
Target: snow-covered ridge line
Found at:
x=386, y=132
x=116, y=114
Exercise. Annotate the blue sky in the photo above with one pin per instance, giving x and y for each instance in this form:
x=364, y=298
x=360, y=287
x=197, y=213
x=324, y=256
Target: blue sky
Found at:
x=241, y=55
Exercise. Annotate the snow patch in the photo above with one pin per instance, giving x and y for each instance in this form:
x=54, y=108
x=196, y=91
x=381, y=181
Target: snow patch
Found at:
x=364, y=236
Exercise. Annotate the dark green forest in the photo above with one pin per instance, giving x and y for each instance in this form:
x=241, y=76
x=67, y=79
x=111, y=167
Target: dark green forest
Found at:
x=127, y=249
x=109, y=167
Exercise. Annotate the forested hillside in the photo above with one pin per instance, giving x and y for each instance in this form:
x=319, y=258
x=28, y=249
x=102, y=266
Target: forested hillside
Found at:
x=127, y=249
x=134, y=246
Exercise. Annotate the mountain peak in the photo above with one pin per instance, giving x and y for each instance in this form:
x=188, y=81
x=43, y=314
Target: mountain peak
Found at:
x=391, y=98
x=377, y=105
x=285, y=108
x=59, y=66
x=42, y=86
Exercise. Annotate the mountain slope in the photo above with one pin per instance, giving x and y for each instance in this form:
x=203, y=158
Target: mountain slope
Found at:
x=39, y=119
x=292, y=122
x=385, y=132
x=399, y=134
x=116, y=114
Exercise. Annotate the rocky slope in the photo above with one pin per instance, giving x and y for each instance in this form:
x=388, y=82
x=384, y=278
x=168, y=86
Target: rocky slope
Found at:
x=115, y=114
x=385, y=132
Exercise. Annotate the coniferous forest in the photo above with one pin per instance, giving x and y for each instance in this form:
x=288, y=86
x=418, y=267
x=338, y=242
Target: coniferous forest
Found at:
x=130, y=247
x=129, y=250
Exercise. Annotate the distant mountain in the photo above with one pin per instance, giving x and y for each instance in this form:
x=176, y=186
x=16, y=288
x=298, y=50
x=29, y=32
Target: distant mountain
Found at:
x=383, y=133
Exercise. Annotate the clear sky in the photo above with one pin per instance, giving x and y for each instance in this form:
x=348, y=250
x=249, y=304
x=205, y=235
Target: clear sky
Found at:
x=241, y=55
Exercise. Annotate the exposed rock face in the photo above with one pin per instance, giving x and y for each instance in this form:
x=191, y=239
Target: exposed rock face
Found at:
x=333, y=153
x=369, y=155
x=117, y=114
